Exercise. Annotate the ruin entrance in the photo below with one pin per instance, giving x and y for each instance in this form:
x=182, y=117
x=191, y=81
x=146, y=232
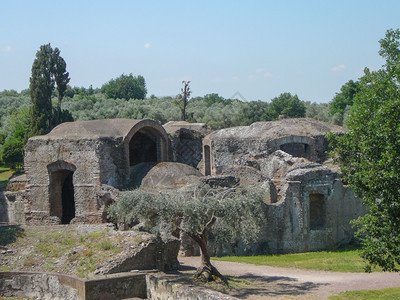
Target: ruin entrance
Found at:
x=296, y=149
x=144, y=146
x=317, y=211
x=207, y=160
x=62, y=195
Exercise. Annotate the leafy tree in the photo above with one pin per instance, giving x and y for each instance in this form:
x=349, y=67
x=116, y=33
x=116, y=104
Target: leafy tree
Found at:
x=125, y=87
x=369, y=154
x=231, y=215
x=183, y=99
x=12, y=153
x=48, y=71
x=342, y=100
x=287, y=105
x=211, y=99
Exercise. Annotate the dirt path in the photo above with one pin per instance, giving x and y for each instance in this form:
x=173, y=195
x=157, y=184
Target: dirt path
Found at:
x=286, y=283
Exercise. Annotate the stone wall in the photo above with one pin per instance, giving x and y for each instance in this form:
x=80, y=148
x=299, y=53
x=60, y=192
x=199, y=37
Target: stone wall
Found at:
x=120, y=286
x=59, y=286
x=171, y=287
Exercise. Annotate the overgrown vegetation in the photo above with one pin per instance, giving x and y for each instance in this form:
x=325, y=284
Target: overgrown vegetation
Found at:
x=54, y=249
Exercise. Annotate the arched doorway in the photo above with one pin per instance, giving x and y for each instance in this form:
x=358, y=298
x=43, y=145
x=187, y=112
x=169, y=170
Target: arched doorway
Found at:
x=61, y=191
x=145, y=146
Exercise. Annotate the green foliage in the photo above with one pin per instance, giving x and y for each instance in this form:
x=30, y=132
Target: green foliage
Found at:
x=12, y=153
x=369, y=154
x=9, y=234
x=48, y=71
x=238, y=212
x=125, y=87
x=318, y=111
x=343, y=100
x=287, y=105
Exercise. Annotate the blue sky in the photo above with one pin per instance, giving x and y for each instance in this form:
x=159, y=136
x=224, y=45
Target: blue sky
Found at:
x=258, y=48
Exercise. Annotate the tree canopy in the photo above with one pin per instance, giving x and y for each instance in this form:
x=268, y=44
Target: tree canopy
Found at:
x=287, y=105
x=343, y=100
x=231, y=215
x=369, y=154
x=125, y=87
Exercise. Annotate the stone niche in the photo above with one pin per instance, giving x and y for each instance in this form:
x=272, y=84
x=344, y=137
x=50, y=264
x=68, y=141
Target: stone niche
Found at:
x=73, y=172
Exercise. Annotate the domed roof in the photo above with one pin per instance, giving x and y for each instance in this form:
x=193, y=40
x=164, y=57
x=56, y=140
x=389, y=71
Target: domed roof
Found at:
x=277, y=129
x=93, y=129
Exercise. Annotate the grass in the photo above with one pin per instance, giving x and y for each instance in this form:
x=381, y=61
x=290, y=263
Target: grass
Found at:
x=387, y=294
x=53, y=250
x=5, y=174
x=342, y=260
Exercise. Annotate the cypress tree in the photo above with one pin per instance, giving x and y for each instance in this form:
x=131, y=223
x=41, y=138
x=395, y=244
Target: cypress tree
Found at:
x=48, y=70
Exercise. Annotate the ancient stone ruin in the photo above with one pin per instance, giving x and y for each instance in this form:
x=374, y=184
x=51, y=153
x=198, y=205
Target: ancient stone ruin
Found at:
x=308, y=207
x=76, y=170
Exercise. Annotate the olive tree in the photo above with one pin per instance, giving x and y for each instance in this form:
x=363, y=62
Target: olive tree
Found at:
x=230, y=214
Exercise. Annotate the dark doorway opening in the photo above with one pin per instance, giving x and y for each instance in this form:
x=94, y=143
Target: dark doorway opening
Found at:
x=296, y=149
x=61, y=194
x=207, y=160
x=68, y=200
x=142, y=148
x=317, y=211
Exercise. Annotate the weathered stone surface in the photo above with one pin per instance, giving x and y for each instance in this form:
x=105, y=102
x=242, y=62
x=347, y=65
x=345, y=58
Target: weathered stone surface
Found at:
x=186, y=141
x=40, y=286
x=170, y=287
x=247, y=175
x=245, y=144
x=59, y=286
x=151, y=253
x=68, y=168
x=221, y=181
x=307, y=206
x=170, y=175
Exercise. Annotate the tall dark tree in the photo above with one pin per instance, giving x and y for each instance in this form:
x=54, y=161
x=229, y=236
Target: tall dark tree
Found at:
x=369, y=154
x=48, y=70
x=61, y=77
x=183, y=99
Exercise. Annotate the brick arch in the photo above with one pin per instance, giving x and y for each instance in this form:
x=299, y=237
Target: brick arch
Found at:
x=147, y=141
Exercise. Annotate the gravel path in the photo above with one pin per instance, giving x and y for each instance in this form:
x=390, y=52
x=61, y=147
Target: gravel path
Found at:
x=287, y=283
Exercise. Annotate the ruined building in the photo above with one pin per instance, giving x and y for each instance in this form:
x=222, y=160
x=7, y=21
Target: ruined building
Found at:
x=71, y=172
x=77, y=169
x=308, y=207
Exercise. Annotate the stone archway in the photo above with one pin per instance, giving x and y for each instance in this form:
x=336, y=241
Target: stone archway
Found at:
x=61, y=191
x=146, y=145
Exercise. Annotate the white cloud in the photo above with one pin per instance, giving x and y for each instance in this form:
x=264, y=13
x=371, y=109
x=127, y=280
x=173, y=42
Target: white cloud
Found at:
x=339, y=68
x=267, y=74
x=147, y=45
x=8, y=49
